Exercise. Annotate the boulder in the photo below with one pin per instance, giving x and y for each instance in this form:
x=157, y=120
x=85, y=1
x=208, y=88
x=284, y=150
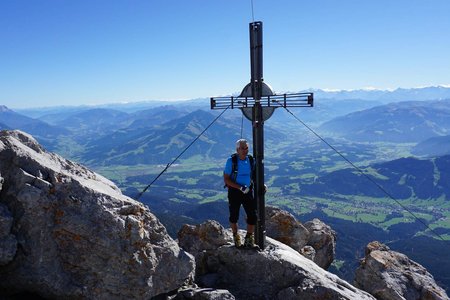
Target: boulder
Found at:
x=206, y=236
x=76, y=236
x=277, y=272
x=283, y=227
x=323, y=239
x=390, y=275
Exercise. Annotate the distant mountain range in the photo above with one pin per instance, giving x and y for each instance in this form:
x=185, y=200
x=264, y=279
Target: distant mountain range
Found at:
x=436, y=146
x=412, y=121
x=105, y=135
x=127, y=107
x=163, y=142
x=159, y=143
x=376, y=95
x=386, y=96
x=107, y=119
x=100, y=136
x=403, y=178
x=44, y=132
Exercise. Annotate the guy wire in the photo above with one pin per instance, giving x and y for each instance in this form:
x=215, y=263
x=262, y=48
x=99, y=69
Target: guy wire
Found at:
x=182, y=152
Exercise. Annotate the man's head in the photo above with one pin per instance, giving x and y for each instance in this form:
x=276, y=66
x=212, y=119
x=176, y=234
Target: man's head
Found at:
x=242, y=148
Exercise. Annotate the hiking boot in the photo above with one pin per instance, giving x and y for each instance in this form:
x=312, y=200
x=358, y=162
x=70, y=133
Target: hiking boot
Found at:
x=249, y=241
x=237, y=240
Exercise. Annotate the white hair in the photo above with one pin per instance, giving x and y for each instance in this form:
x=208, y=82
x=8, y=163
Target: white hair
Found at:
x=241, y=141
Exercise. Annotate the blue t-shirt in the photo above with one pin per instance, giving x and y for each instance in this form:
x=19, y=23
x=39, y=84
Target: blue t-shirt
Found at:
x=244, y=171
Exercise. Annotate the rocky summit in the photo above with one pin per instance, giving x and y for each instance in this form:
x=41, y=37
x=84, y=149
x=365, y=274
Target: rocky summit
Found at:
x=68, y=233
x=277, y=272
x=389, y=275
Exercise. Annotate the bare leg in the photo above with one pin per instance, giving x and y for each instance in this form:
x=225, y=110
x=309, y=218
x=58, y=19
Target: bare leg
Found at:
x=250, y=228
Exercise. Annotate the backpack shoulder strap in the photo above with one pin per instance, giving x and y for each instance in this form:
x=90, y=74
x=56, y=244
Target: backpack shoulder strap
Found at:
x=234, y=167
x=234, y=161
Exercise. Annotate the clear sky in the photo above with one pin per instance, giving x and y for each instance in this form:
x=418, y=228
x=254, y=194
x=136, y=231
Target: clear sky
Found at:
x=73, y=52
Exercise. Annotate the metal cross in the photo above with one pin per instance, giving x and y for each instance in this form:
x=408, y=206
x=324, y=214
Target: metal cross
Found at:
x=258, y=102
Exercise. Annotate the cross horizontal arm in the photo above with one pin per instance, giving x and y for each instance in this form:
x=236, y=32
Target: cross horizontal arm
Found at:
x=284, y=100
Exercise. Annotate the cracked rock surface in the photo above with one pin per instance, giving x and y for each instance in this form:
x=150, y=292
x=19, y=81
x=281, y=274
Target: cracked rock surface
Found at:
x=277, y=272
x=390, y=275
x=67, y=232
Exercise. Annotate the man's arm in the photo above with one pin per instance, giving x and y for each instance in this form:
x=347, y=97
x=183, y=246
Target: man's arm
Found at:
x=229, y=182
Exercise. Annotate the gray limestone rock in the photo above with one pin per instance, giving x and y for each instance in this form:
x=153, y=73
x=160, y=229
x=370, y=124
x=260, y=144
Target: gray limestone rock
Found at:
x=309, y=252
x=77, y=235
x=390, y=275
x=8, y=242
x=283, y=227
x=6, y=221
x=277, y=272
x=204, y=294
x=207, y=236
x=323, y=239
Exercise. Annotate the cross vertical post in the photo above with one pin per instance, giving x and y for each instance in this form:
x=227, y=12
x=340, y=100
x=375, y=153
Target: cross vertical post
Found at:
x=256, y=60
x=258, y=102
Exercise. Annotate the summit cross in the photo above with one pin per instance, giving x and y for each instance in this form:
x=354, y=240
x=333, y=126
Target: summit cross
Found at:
x=258, y=102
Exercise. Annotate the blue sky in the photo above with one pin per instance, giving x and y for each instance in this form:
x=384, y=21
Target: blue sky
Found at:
x=66, y=52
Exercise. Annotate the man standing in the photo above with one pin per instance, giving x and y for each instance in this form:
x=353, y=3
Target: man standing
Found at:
x=238, y=178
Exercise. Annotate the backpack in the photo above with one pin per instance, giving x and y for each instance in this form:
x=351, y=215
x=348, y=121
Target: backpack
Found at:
x=234, y=166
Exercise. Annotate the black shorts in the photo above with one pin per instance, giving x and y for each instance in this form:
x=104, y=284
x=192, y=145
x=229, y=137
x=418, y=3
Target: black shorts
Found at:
x=235, y=199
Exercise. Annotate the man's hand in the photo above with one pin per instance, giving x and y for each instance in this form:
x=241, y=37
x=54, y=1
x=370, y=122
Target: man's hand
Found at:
x=265, y=188
x=245, y=189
